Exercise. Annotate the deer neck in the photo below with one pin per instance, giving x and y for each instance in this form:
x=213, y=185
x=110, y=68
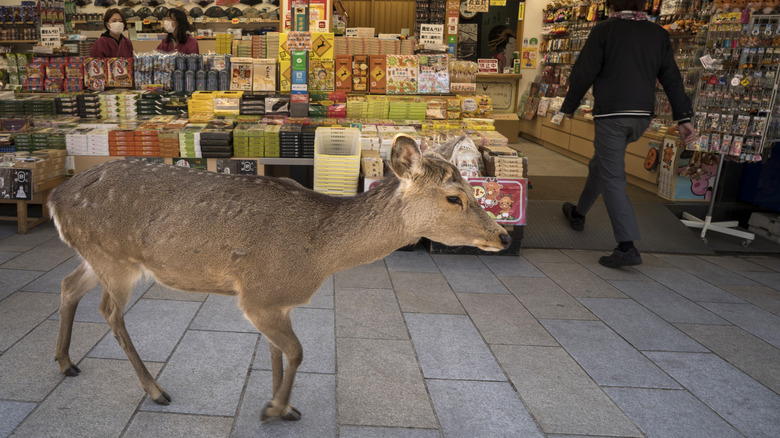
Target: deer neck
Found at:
x=371, y=226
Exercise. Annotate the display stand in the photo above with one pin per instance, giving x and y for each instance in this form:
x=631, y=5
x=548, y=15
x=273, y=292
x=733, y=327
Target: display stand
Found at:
x=726, y=227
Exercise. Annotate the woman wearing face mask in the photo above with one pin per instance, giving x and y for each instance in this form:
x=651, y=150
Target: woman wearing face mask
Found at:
x=112, y=44
x=178, y=39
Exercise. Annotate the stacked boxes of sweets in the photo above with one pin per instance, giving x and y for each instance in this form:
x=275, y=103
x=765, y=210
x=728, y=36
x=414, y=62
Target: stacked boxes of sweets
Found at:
x=357, y=107
x=257, y=140
x=97, y=142
x=241, y=139
x=290, y=140
x=66, y=104
x=76, y=141
x=369, y=138
x=11, y=107
x=168, y=137
x=307, y=140
x=161, y=103
x=277, y=105
x=146, y=142
x=7, y=143
x=258, y=46
x=272, y=146
x=119, y=105
x=201, y=103
x=88, y=105
x=121, y=142
x=39, y=106
x=189, y=140
x=252, y=104
x=216, y=139
x=378, y=107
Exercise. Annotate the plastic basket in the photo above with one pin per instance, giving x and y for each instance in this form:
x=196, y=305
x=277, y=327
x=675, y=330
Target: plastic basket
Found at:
x=337, y=141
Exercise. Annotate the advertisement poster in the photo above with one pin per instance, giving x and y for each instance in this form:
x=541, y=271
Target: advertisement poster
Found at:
x=530, y=53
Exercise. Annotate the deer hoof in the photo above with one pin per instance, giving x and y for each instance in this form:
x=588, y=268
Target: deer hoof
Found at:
x=292, y=415
x=72, y=371
x=267, y=412
x=163, y=399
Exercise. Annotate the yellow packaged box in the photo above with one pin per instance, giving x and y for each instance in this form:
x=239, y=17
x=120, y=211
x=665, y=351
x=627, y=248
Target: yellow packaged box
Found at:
x=371, y=163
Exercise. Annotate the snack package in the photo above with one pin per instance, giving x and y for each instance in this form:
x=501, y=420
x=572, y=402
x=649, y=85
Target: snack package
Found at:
x=434, y=76
x=95, y=74
x=120, y=72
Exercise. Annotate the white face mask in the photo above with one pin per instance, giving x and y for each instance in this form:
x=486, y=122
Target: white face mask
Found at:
x=116, y=27
x=169, y=26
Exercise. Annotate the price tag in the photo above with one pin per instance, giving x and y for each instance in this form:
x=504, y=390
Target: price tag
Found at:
x=234, y=21
x=146, y=21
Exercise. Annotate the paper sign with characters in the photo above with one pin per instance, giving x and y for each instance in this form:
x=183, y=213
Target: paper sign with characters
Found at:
x=503, y=199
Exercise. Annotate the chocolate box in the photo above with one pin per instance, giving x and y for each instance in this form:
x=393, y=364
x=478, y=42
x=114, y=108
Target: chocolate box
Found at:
x=360, y=74
x=343, y=77
x=378, y=74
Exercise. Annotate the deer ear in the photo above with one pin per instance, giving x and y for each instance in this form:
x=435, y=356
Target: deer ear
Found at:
x=405, y=156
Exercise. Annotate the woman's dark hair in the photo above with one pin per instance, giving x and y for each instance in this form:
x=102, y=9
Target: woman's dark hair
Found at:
x=110, y=13
x=627, y=5
x=182, y=24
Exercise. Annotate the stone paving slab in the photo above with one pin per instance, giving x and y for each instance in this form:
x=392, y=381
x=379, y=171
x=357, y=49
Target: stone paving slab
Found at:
x=36, y=236
x=705, y=270
x=386, y=432
x=221, y=313
x=734, y=263
x=22, y=312
x=752, y=319
x=740, y=400
x=373, y=275
x=368, y=313
x=667, y=304
x=770, y=279
x=150, y=424
x=670, y=414
x=606, y=357
x=97, y=403
x=380, y=385
x=450, y=347
x=313, y=394
x=537, y=256
x=558, y=393
x=761, y=296
x=642, y=328
x=41, y=258
x=410, y=261
x=456, y=262
x=750, y=354
x=772, y=263
x=511, y=266
x=155, y=327
x=315, y=331
x=472, y=409
x=579, y=281
x=12, y=280
x=425, y=292
x=687, y=285
x=501, y=319
x=29, y=371
x=474, y=280
x=545, y=299
x=12, y=413
x=8, y=255
x=206, y=373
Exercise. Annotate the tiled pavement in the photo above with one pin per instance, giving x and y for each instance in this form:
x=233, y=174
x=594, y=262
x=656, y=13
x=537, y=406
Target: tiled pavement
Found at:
x=546, y=344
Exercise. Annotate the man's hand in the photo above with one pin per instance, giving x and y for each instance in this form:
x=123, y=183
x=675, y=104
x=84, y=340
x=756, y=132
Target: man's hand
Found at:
x=687, y=132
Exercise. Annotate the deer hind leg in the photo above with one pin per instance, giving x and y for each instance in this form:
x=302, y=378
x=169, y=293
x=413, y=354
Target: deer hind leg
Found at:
x=74, y=286
x=277, y=327
x=117, y=290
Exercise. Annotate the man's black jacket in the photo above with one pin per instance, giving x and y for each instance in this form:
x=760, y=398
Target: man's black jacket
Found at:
x=622, y=59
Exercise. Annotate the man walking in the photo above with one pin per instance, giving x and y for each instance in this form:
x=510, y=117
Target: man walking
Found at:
x=622, y=58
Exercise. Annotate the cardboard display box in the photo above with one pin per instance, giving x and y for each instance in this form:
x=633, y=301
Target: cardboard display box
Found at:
x=378, y=74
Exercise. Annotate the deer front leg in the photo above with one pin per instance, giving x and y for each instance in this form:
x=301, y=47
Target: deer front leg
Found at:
x=74, y=286
x=112, y=308
x=278, y=330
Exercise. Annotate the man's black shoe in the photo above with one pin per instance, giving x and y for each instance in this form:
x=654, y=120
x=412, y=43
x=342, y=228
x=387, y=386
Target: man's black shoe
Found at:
x=577, y=223
x=619, y=258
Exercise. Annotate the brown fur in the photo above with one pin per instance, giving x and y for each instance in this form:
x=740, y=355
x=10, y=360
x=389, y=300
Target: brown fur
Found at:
x=269, y=241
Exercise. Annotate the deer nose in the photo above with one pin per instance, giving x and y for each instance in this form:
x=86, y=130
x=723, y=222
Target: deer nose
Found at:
x=506, y=240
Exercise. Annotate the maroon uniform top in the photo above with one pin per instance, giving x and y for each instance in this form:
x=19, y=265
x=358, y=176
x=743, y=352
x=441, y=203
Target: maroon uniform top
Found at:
x=107, y=47
x=186, y=47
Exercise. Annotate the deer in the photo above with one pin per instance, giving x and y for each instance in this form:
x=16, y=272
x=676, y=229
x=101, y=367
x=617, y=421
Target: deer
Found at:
x=123, y=219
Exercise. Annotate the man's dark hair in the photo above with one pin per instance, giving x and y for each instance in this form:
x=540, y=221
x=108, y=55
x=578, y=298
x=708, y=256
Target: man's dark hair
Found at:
x=627, y=5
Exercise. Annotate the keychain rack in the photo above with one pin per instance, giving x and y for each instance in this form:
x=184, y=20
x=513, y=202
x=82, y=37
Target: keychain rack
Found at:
x=736, y=97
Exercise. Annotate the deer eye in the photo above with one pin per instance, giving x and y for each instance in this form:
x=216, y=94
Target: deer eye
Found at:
x=454, y=200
